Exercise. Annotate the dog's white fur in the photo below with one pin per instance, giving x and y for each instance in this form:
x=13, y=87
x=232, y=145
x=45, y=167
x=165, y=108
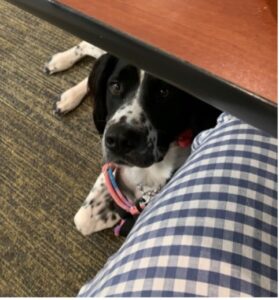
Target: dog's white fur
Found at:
x=62, y=61
x=137, y=181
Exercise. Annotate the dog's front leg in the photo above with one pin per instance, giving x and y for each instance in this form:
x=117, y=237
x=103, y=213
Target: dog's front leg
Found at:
x=71, y=98
x=98, y=211
x=64, y=60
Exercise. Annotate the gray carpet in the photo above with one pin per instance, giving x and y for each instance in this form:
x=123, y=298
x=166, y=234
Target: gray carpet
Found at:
x=47, y=166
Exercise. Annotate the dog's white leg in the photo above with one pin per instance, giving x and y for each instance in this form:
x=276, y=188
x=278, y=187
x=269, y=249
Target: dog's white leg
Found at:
x=64, y=60
x=91, y=50
x=71, y=98
x=97, y=212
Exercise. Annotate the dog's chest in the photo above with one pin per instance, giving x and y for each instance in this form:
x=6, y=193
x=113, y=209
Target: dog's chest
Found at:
x=148, y=181
x=145, y=182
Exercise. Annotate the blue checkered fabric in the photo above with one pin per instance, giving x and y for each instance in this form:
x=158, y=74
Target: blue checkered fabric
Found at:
x=212, y=231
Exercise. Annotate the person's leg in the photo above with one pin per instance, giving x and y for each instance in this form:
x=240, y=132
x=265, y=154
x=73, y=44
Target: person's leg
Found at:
x=212, y=231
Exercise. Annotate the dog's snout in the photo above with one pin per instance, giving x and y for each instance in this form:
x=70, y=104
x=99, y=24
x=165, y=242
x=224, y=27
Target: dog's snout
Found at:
x=121, y=139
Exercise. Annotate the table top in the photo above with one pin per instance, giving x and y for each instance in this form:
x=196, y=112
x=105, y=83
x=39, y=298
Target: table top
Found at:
x=233, y=39
x=222, y=51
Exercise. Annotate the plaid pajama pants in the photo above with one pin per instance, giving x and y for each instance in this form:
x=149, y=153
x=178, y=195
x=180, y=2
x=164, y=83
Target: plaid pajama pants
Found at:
x=212, y=231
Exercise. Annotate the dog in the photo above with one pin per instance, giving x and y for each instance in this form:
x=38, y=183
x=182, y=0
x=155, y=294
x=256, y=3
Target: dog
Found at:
x=140, y=119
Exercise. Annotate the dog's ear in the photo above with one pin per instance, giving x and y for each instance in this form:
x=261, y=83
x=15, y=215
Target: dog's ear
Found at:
x=97, y=84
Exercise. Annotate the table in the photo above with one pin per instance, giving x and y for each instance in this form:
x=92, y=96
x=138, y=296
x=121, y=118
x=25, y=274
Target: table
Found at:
x=224, y=52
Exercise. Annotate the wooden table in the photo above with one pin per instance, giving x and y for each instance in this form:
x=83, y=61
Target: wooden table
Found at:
x=222, y=51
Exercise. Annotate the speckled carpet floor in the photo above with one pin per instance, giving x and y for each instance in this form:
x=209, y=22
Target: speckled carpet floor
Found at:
x=47, y=166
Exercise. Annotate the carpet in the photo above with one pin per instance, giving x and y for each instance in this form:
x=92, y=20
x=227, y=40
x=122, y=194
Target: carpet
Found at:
x=47, y=166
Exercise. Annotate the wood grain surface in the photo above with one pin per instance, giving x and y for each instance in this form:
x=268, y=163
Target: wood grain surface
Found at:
x=233, y=39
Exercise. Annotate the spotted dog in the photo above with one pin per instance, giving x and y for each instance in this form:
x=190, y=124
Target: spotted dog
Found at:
x=140, y=118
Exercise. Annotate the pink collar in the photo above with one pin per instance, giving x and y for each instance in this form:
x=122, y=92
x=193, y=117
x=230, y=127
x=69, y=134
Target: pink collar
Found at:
x=184, y=140
x=110, y=170
x=119, y=198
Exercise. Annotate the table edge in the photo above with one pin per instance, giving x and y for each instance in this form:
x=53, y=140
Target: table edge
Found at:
x=215, y=91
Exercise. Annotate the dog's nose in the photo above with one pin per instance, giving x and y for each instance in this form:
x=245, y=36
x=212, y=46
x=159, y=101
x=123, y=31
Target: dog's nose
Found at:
x=122, y=139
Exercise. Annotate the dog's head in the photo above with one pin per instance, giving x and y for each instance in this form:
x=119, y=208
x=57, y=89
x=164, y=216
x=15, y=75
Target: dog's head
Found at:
x=140, y=115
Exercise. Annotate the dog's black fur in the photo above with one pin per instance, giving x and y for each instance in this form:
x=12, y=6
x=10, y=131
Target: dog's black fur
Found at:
x=140, y=118
x=169, y=110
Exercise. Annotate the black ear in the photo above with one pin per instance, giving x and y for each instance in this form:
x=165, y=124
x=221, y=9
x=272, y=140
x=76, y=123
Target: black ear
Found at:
x=97, y=84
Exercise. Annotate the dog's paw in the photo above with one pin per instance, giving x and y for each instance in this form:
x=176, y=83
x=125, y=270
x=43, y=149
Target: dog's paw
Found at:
x=64, y=104
x=59, y=62
x=91, y=219
x=57, y=110
x=71, y=98
x=98, y=210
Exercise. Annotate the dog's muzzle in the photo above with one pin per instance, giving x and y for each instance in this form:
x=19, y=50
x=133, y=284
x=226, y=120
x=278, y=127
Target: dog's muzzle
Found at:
x=124, y=144
x=121, y=139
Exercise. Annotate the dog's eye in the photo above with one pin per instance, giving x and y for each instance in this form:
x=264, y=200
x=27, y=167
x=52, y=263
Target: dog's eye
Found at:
x=115, y=88
x=164, y=92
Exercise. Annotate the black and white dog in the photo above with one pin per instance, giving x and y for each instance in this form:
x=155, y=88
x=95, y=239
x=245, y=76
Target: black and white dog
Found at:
x=140, y=118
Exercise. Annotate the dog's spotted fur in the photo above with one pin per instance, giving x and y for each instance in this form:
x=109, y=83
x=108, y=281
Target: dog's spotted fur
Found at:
x=139, y=118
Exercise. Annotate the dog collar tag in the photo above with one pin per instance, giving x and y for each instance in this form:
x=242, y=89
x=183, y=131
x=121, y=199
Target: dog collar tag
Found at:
x=185, y=138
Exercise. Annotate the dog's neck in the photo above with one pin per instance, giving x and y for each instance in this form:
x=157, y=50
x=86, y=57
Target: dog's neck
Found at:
x=146, y=182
